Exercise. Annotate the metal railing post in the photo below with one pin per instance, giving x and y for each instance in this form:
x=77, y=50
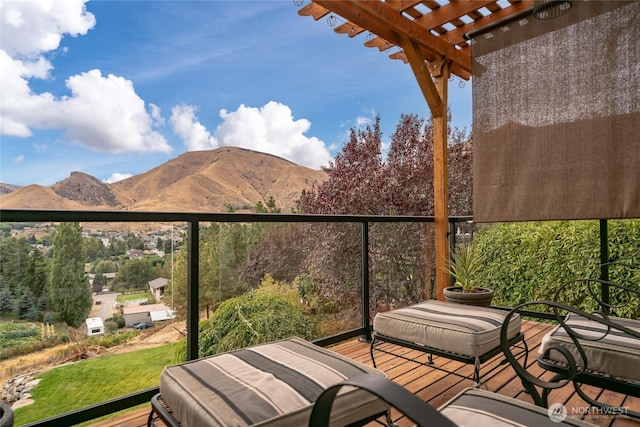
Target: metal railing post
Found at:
x=604, y=262
x=452, y=248
x=193, y=287
x=366, y=324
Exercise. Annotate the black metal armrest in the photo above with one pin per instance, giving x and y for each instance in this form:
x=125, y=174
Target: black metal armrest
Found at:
x=535, y=386
x=570, y=363
x=420, y=412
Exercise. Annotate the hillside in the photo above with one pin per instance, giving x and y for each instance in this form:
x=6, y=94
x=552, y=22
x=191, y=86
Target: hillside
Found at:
x=88, y=191
x=37, y=197
x=7, y=188
x=195, y=181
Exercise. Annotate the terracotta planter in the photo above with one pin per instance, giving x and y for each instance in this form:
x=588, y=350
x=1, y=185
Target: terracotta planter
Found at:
x=482, y=297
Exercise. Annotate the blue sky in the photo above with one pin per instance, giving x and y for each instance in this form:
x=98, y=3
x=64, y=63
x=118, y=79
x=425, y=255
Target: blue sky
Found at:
x=114, y=88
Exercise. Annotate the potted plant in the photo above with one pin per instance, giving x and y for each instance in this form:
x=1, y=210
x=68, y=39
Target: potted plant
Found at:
x=465, y=264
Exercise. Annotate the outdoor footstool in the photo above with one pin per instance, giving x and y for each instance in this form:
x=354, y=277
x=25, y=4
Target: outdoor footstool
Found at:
x=273, y=384
x=460, y=332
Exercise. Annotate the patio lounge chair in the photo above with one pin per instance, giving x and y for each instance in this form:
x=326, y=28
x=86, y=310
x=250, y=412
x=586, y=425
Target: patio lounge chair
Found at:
x=596, y=349
x=273, y=384
x=471, y=407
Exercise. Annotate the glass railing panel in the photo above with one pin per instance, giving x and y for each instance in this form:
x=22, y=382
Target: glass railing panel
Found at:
x=402, y=264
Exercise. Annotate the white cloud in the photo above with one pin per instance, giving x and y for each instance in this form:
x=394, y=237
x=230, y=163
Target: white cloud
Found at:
x=106, y=115
x=30, y=27
x=19, y=159
x=102, y=113
x=363, y=121
x=185, y=124
x=272, y=129
x=156, y=113
x=117, y=176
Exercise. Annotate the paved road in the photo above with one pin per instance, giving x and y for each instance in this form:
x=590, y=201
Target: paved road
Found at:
x=107, y=303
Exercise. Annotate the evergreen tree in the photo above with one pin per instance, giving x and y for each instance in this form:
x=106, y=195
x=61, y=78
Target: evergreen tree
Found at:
x=25, y=307
x=14, y=258
x=35, y=277
x=5, y=302
x=69, y=290
x=176, y=289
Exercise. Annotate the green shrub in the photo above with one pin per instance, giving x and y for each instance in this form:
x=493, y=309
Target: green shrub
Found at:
x=251, y=319
x=529, y=261
x=112, y=340
x=110, y=326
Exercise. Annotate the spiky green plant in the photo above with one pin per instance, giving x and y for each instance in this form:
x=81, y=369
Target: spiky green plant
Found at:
x=466, y=263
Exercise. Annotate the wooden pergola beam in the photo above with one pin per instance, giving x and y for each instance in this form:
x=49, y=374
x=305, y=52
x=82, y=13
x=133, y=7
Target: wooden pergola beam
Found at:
x=423, y=76
x=388, y=23
x=444, y=14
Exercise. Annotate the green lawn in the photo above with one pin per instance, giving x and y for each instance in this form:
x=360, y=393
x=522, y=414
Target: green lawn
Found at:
x=96, y=380
x=127, y=297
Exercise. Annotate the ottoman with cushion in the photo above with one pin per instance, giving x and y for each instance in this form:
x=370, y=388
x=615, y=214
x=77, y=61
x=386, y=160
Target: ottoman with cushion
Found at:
x=461, y=332
x=273, y=384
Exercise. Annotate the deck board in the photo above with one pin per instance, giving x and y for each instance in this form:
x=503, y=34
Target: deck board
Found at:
x=437, y=386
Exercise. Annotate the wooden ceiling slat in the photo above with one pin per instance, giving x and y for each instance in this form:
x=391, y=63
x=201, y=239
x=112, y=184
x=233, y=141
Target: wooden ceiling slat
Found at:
x=451, y=11
x=457, y=36
x=433, y=20
x=314, y=10
x=349, y=29
x=380, y=43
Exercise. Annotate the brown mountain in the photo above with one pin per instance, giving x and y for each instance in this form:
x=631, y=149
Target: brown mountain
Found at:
x=7, y=188
x=206, y=181
x=87, y=190
x=37, y=197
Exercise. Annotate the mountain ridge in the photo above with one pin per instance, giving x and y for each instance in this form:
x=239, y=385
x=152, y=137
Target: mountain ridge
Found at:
x=211, y=181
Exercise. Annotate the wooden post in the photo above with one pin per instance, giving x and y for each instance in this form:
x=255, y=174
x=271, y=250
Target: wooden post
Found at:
x=433, y=80
x=440, y=183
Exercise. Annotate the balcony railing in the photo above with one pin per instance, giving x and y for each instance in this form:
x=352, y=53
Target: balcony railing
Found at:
x=193, y=221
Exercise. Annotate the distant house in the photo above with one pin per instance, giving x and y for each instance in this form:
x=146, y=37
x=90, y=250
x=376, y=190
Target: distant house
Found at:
x=146, y=313
x=134, y=254
x=156, y=287
x=94, y=326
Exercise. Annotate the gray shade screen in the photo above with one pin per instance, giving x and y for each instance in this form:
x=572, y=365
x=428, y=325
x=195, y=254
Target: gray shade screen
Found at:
x=556, y=116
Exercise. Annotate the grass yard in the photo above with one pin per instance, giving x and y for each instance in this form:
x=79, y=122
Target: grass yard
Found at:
x=96, y=380
x=128, y=297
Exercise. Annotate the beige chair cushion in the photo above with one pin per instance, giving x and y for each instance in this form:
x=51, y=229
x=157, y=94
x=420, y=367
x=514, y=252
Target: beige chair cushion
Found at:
x=616, y=353
x=462, y=329
x=273, y=384
x=482, y=408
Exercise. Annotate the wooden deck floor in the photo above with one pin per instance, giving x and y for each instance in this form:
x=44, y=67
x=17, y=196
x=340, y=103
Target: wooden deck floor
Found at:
x=436, y=386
